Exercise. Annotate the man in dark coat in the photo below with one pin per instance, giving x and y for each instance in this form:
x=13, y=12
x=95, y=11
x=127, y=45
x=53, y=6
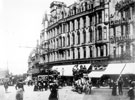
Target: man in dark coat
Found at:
x=120, y=85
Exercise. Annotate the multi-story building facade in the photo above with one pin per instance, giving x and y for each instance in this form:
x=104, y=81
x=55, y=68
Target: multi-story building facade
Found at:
x=122, y=31
x=78, y=33
x=94, y=32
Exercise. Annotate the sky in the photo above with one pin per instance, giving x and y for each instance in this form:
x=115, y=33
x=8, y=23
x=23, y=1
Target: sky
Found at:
x=20, y=27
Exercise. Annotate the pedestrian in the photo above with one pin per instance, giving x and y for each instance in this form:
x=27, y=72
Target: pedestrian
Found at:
x=35, y=85
x=6, y=86
x=20, y=89
x=131, y=93
x=114, y=89
x=120, y=85
x=54, y=91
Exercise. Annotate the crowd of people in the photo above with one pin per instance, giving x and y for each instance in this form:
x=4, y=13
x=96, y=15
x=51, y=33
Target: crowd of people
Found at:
x=83, y=85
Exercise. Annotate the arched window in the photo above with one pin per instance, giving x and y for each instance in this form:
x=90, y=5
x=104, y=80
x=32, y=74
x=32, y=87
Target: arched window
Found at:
x=74, y=10
x=62, y=13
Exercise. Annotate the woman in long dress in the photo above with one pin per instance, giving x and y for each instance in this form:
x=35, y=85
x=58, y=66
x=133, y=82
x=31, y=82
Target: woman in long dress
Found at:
x=54, y=91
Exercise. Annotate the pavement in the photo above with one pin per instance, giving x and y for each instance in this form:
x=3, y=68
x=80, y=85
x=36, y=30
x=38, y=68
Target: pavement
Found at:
x=65, y=93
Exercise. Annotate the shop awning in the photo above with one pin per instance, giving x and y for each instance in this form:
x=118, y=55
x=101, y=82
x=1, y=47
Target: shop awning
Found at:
x=129, y=69
x=33, y=71
x=114, y=69
x=96, y=74
x=64, y=70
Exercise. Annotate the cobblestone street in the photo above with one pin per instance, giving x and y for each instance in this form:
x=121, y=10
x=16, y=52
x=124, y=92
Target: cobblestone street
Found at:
x=65, y=93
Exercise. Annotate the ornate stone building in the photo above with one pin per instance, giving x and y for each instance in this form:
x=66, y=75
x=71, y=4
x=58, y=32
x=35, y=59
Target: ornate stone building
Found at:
x=122, y=31
x=96, y=32
x=78, y=33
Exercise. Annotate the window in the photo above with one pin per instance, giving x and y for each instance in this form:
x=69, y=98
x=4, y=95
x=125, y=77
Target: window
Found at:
x=84, y=20
x=84, y=36
x=78, y=33
x=60, y=41
x=100, y=17
x=128, y=49
x=68, y=53
x=78, y=53
x=73, y=53
x=114, y=52
x=78, y=20
x=63, y=41
x=90, y=48
x=69, y=27
x=90, y=32
x=84, y=52
x=68, y=39
x=105, y=33
x=73, y=38
x=121, y=30
x=90, y=21
x=73, y=26
x=100, y=33
x=102, y=51
x=122, y=52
